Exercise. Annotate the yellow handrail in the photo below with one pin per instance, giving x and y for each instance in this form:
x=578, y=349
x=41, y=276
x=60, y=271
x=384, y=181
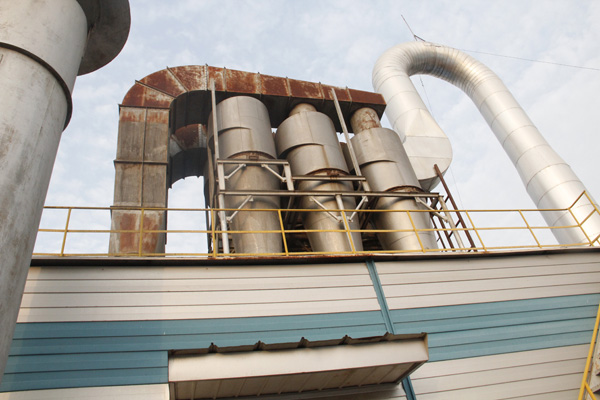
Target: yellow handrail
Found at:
x=141, y=231
x=585, y=387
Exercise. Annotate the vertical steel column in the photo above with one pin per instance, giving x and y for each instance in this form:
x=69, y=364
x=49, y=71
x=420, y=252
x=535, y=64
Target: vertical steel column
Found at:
x=44, y=44
x=220, y=171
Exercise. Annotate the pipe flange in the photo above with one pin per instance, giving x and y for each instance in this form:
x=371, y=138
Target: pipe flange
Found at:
x=108, y=28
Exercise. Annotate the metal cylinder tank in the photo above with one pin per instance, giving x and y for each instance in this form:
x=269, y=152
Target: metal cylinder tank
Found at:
x=44, y=44
x=383, y=161
x=307, y=139
x=245, y=134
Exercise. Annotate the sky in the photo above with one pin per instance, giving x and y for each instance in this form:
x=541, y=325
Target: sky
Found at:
x=337, y=43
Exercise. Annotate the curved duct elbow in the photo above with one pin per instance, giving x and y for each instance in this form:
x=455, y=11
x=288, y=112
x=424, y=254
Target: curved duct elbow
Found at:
x=550, y=182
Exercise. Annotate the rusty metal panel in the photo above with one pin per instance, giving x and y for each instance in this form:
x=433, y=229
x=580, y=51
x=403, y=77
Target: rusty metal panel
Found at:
x=191, y=101
x=218, y=75
x=156, y=141
x=128, y=184
x=164, y=81
x=274, y=86
x=190, y=137
x=242, y=82
x=154, y=185
x=309, y=90
x=129, y=242
x=131, y=134
x=360, y=96
x=193, y=77
x=342, y=94
x=143, y=96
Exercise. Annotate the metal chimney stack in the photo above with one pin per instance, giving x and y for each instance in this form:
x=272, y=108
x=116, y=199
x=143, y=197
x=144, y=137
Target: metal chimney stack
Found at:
x=44, y=45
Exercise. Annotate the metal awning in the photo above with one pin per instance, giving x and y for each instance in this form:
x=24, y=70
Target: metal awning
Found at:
x=267, y=369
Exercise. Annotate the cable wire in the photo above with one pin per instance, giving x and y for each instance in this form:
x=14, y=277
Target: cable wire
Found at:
x=532, y=60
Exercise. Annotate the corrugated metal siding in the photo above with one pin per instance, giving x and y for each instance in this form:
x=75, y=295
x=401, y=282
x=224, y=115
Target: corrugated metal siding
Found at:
x=501, y=327
x=80, y=354
x=549, y=374
x=553, y=374
x=106, y=326
x=418, y=284
x=137, y=392
x=155, y=293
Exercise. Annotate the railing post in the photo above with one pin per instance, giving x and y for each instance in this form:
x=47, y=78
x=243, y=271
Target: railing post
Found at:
x=285, y=247
x=62, y=249
x=141, y=241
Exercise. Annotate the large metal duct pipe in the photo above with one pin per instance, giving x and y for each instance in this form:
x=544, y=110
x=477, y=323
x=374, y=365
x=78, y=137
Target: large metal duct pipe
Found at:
x=44, y=45
x=386, y=166
x=550, y=182
x=308, y=140
x=245, y=134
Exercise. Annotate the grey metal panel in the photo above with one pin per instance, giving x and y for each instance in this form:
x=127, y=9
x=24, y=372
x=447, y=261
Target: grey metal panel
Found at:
x=491, y=296
x=506, y=390
x=488, y=274
x=191, y=284
x=501, y=361
x=483, y=262
x=124, y=272
x=144, y=313
x=501, y=376
x=413, y=284
x=42, y=300
x=138, y=293
x=489, y=285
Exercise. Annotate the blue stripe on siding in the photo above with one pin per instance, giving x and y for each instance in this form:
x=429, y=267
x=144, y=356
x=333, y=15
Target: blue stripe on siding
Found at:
x=493, y=308
x=385, y=310
x=196, y=326
x=77, y=354
x=473, y=330
x=72, y=379
x=508, y=346
x=87, y=361
x=125, y=353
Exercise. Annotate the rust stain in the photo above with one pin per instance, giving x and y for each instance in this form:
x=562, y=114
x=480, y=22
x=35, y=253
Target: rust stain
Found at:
x=359, y=96
x=310, y=90
x=366, y=119
x=135, y=95
x=274, y=85
x=192, y=76
x=158, y=116
x=150, y=240
x=165, y=82
x=128, y=241
x=276, y=91
x=142, y=96
x=242, y=82
x=131, y=114
x=341, y=93
x=188, y=136
x=217, y=74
